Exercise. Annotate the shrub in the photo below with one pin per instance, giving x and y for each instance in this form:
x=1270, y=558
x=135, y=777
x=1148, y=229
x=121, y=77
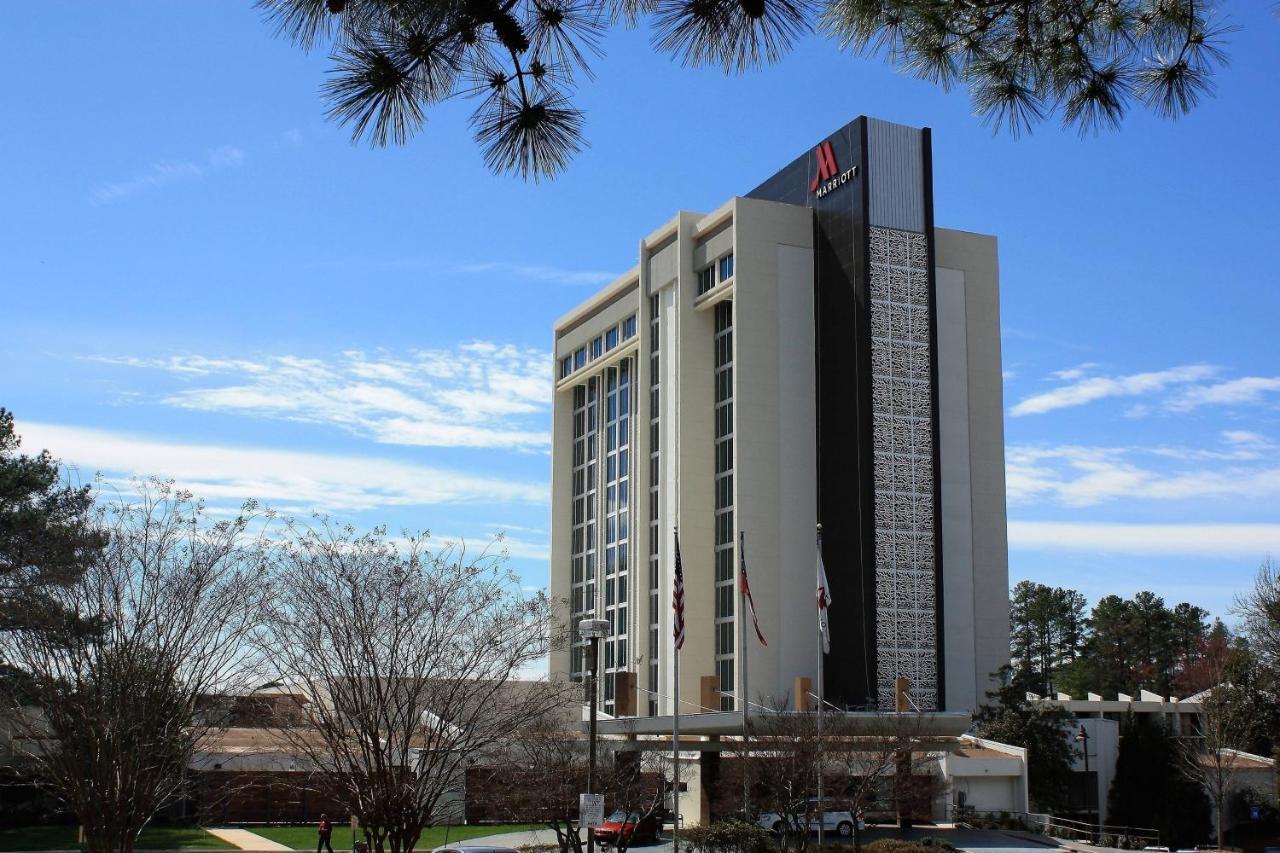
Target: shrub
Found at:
x=932, y=841
x=896, y=845
x=728, y=836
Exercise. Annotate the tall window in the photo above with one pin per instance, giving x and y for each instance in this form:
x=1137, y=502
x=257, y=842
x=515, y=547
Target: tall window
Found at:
x=583, y=544
x=655, y=462
x=617, y=503
x=706, y=279
x=725, y=590
x=726, y=267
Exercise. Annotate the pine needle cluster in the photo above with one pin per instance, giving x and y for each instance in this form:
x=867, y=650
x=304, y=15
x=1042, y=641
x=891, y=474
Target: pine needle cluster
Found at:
x=1023, y=61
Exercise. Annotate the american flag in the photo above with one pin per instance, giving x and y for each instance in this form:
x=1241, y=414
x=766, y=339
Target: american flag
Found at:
x=746, y=588
x=677, y=598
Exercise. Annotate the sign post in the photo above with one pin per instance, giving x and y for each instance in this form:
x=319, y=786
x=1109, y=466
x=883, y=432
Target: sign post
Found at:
x=590, y=810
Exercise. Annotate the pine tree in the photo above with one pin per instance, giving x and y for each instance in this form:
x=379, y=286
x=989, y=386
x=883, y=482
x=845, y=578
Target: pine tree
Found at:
x=46, y=532
x=1150, y=791
x=1023, y=61
x=1044, y=730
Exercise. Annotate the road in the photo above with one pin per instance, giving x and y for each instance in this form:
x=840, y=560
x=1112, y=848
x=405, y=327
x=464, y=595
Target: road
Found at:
x=987, y=841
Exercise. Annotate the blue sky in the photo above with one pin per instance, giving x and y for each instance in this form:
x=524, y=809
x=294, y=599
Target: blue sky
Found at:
x=202, y=278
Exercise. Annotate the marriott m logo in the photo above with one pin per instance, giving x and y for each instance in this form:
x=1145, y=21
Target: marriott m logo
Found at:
x=827, y=168
x=829, y=177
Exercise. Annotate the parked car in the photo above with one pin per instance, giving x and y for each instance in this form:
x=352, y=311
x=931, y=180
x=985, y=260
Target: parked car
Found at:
x=630, y=826
x=835, y=818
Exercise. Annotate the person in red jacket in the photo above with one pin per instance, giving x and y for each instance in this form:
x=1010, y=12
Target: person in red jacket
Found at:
x=326, y=832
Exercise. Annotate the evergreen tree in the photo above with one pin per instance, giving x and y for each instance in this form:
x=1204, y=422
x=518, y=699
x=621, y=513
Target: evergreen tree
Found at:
x=1141, y=644
x=1045, y=731
x=1047, y=631
x=1149, y=789
x=1023, y=61
x=46, y=532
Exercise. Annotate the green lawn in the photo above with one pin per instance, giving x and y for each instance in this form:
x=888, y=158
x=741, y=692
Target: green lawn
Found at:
x=304, y=837
x=152, y=838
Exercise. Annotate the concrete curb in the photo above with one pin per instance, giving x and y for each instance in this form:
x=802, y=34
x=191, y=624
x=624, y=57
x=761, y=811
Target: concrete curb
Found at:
x=1031, y=837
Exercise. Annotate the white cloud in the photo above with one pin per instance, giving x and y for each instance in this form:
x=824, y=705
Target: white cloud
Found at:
x=167, y=172
x=1082, y=389
x=1189, y=386
x=287, y=478
x=1189, y=540
x=532, y=272
x=1079, y=476
x=1248, y=440
x=478, y=394
x=1073, y=373
x=1233, y=392
x=513, y=546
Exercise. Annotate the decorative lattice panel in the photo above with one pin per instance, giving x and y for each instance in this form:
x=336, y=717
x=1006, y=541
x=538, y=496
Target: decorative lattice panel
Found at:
x=902, y=430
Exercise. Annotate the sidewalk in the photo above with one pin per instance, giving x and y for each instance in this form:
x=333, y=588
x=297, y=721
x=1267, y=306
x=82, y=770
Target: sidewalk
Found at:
x=246, y=840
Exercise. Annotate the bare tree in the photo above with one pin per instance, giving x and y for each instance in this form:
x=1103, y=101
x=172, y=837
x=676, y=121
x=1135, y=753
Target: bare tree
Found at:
x=539, y=776
x=538, y=779
x=409, y=662
x=867, y=760
x=637, y=785
x=879, y=756
x=1260, y=608
x=109, y=716
x=1212, y=761
x=783, y=760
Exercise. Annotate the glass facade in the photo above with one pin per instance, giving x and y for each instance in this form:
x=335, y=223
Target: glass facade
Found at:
x=583, y=534
x=600, y=538
x=725, y=589
x=617, y=504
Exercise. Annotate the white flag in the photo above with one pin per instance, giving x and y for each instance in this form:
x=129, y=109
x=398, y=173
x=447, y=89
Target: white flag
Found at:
x=824, y=602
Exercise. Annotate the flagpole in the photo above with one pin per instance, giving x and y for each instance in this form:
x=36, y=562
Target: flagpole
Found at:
x=821, y=702
x=675, y=758
x=675, y=360
x=742, y=632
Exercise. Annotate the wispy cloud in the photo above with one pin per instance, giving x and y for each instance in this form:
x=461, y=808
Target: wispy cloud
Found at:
x=1074, y=373
x=1188, y=387
x=1081, y=388
x=291, y=479
x=478, y=394
x=1081, y=476
x=531, y=272
x=1233, y=392
x=498, y=540
x=167, y=172
x=1189, y=540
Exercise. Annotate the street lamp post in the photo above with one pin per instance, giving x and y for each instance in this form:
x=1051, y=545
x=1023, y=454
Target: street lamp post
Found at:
x=1090, y=786
x=592, y=630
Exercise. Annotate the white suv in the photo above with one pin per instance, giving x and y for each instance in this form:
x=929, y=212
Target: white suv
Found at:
x=834, y=819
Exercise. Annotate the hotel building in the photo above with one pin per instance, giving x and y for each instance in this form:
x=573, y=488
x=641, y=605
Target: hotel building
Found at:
x=814, y=352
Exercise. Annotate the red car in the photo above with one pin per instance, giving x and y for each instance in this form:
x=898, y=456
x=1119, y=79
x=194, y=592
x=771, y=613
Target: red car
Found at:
x=633, y=828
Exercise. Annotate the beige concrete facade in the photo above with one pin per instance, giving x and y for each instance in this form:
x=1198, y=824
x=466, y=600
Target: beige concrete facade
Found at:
x=773, y=429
